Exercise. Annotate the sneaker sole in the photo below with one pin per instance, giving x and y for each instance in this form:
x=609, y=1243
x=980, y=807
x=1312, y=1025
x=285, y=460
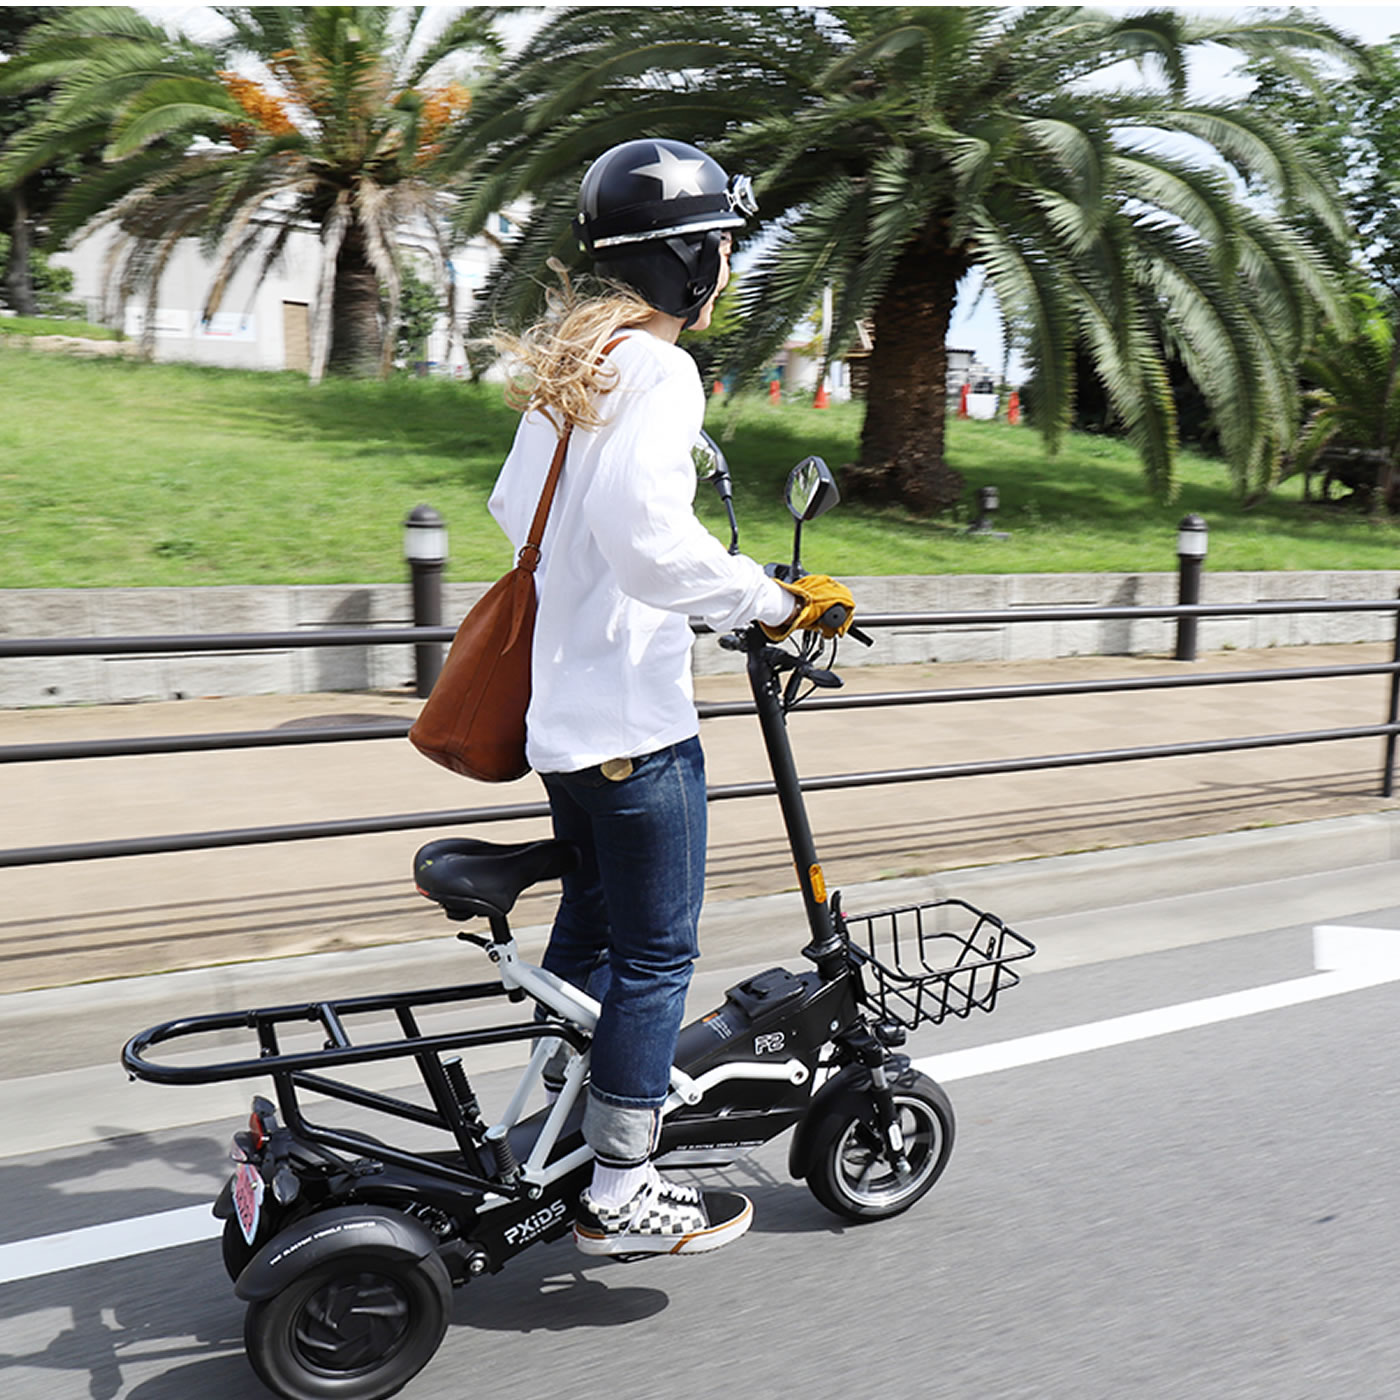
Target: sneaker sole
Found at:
x=699, y=1242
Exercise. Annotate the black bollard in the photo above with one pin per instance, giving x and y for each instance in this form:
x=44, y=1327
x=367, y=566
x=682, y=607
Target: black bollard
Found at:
x=425, y=548
x=1191, y=537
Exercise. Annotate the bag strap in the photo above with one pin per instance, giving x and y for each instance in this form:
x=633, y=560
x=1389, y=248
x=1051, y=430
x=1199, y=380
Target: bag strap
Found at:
x=530, y=551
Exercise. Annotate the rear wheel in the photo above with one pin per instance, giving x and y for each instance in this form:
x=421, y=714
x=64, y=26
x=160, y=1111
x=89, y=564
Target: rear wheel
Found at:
x=356, y=1327
x=854, y=1171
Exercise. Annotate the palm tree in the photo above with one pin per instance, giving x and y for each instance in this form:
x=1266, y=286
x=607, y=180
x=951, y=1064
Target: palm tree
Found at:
x=1354, y=404
x=24, y=203
x=328, y=118
x=897, y=149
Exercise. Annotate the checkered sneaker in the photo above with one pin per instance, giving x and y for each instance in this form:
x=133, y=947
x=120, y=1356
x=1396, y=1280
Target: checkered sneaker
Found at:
x=662, y=1218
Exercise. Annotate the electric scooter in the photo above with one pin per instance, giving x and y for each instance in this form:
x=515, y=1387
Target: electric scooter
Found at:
x=347, y=1248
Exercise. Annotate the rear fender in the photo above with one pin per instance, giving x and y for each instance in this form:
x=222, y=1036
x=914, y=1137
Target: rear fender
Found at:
x=223, y=1203
x=326, y=1233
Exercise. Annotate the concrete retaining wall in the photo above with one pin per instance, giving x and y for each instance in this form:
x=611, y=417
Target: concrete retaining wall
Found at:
x=113, y=612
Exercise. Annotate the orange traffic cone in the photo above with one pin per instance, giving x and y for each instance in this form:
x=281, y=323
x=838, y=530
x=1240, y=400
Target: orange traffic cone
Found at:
x=1013, y=408
x=821, y=400
x=962, y=402
x=774, y=391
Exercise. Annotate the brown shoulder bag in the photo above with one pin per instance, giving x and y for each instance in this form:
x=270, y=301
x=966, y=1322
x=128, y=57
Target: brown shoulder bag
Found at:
x=473, y=722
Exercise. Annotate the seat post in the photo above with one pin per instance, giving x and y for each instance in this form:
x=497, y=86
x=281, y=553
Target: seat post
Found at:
x=500, y=929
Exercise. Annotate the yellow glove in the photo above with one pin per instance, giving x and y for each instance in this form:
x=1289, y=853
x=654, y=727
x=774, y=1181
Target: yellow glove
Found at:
x=816, y=594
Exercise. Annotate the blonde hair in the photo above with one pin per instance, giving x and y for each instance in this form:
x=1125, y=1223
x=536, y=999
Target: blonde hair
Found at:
x=558, y=371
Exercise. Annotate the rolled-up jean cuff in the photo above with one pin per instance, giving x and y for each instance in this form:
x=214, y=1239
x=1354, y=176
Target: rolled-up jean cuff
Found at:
x=620, y=1135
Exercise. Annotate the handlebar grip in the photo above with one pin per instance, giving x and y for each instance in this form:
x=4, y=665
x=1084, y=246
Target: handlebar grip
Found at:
x=835, y=615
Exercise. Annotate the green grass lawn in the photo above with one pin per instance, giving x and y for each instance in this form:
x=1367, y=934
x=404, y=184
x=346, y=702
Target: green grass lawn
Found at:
x=53, y=325
x=115, y=473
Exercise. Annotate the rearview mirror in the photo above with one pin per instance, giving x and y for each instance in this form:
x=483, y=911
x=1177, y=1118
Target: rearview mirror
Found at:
x=711, y=466
x=709, y=460
x=811, y=489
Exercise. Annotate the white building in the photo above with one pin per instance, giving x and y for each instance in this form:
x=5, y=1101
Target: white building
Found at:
x=966, y=371
x=258, y=325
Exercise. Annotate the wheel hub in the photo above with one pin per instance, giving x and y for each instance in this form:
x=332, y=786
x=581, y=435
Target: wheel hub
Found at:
x=353, y=1323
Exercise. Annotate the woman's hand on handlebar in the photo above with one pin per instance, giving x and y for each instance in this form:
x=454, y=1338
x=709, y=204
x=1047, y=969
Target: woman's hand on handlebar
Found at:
x=823, y=605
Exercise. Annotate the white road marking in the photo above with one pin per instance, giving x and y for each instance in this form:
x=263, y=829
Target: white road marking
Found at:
x=1355, y=958
x=1165, y=1020
x=97, y=1244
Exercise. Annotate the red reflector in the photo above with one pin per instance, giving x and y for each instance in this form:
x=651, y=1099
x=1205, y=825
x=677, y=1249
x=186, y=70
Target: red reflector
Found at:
x=255, y=1126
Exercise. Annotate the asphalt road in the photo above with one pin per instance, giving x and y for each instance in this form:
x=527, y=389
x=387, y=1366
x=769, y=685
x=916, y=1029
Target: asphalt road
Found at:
x=1209, y=1213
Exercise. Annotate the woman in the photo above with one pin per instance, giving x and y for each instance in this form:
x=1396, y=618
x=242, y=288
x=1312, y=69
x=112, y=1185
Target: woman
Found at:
x=612, y=727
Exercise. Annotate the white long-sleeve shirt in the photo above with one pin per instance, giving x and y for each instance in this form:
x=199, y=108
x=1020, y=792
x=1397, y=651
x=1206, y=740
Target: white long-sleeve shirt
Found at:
x=624, y=564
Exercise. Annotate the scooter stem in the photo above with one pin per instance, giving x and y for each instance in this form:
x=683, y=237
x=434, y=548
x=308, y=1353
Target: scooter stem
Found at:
x=825, y=948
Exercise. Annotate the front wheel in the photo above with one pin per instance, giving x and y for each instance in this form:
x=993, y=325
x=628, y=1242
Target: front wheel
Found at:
x=359, y=1326
x=853, y=1169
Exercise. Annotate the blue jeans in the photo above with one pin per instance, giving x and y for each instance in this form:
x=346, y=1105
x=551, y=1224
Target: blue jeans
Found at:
x=626, y=930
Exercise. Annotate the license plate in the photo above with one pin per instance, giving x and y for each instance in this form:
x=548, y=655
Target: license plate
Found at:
x=248, y=1188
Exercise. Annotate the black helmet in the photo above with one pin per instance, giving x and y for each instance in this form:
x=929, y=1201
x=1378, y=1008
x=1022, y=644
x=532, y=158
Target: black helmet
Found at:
x=653, y=215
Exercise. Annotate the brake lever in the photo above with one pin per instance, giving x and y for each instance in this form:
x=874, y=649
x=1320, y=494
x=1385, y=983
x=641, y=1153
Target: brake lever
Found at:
x=804, y=671
x=794, y=684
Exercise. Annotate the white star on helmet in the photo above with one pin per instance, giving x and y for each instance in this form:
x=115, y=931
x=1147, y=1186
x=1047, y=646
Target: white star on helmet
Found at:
x=677, y=176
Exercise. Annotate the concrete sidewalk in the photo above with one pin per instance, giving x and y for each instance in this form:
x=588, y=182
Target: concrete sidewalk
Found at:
x=89, y=921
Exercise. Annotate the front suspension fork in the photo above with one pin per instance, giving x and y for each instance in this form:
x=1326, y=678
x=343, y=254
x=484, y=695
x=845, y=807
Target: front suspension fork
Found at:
x=872, y=1049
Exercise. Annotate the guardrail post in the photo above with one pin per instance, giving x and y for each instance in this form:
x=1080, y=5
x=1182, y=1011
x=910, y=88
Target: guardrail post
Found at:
x=1388, y=772
x=425, y=548
x=1191, y=537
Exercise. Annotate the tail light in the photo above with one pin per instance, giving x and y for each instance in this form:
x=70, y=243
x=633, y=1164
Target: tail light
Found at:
x=262, y=1122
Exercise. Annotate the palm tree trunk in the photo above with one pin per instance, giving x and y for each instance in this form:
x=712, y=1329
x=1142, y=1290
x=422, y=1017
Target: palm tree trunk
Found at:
x=1387, y=497
x=901, y=444
x=357, y=331
x=19, y=277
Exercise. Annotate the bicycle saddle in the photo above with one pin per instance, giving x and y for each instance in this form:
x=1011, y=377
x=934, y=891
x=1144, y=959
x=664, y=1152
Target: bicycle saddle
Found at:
x=470, y=878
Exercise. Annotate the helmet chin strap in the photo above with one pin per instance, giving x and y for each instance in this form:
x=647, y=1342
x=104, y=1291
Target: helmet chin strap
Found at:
x=695, y=258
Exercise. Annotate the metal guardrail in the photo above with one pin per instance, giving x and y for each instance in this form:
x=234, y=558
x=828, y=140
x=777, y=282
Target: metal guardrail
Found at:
x=417, y=636
x=1388, y=729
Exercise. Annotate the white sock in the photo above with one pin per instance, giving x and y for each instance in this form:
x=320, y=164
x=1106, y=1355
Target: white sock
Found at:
x=615, y=1186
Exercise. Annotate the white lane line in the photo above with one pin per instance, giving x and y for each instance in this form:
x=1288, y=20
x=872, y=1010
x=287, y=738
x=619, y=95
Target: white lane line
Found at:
x=1357, y=958
x=97, y=1244
x=1354, y=958
x=1143, y=1025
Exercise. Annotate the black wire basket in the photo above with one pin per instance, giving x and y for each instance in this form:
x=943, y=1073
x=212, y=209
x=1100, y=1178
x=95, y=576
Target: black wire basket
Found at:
x=930, y=961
